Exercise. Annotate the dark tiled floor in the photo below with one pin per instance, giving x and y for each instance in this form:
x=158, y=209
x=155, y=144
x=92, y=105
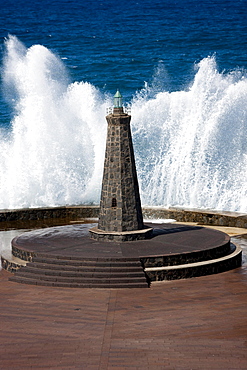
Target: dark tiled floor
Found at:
x=198, y=323
x=74, y=241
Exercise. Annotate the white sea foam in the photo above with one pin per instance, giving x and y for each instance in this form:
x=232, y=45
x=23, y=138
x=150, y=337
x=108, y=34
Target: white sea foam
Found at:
x=190, y=146
x=55, y=150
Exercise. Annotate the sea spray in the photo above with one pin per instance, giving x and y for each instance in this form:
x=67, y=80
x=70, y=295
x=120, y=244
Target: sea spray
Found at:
x=190, y=145
x=54, y=152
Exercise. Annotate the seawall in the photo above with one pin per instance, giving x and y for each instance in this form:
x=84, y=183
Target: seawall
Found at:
x=75, y=213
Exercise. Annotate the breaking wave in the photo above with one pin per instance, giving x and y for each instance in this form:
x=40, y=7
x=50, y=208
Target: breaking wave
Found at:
x=190, y=146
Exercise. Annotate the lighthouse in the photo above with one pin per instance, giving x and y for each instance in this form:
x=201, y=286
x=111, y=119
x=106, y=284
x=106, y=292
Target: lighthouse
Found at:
x=120, y=215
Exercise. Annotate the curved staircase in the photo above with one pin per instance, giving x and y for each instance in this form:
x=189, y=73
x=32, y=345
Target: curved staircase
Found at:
x=86, y=273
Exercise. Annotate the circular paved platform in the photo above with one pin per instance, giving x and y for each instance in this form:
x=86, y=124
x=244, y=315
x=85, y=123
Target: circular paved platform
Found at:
x=73, y=241
x=67, y=256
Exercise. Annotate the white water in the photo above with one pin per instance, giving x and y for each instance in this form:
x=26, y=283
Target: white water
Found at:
x=190, y=146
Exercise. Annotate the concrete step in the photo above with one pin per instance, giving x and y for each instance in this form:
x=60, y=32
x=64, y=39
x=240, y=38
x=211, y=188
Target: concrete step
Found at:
x=202, y=268
x=11, y=263
x=120, y=262
x=84, y=259
x=79, y=279
x=101, y=273
x=93, y=272
x=187, y=257
x=95, y=267
x=80, y=284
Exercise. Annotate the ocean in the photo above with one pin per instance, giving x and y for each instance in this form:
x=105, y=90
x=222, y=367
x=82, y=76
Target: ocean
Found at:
x=181, y=68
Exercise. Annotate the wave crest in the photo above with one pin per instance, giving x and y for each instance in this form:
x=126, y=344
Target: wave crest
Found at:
x=190, y=145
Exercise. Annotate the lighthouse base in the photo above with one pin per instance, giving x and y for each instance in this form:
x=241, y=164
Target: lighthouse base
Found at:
x=124, y=236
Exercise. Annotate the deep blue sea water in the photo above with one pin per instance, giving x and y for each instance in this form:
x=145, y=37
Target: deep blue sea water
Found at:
x=180, y=48
x=121, y=44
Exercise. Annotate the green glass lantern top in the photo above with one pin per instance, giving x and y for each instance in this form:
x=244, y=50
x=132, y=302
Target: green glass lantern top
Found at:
x=118, y=100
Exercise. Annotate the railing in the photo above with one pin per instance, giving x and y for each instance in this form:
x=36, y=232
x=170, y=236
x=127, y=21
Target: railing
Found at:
x=109, y=110
x=126, y=110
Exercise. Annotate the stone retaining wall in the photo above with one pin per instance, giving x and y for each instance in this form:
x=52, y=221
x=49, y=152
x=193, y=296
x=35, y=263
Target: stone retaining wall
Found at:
x=202, y=217
x=36, y=214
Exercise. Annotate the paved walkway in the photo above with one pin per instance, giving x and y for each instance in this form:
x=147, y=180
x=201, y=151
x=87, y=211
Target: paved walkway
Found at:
x=198, y=323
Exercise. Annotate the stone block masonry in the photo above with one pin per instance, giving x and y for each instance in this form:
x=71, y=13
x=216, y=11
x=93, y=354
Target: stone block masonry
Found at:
x=120, y=206
x=52, y=216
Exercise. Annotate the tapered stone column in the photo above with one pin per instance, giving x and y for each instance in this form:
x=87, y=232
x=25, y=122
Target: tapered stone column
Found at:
x=120, y=216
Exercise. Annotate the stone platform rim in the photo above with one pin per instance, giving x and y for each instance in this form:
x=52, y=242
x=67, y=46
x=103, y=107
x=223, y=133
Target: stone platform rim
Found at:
x=64, y=254
x=236, y=250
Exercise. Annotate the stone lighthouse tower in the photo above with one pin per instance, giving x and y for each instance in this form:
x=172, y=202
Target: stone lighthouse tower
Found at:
x=120, y=216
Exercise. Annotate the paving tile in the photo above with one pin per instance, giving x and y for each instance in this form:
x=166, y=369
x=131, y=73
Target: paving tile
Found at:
x=198, y=323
